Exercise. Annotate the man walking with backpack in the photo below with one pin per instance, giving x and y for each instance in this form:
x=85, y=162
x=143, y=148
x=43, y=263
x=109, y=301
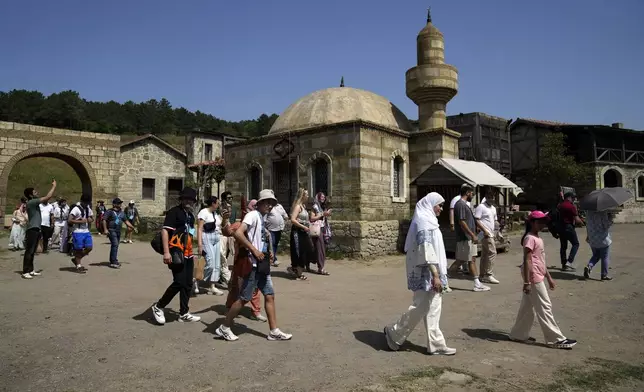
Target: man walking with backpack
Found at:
x=176, y=239
x=568, y=218
x=112, y=221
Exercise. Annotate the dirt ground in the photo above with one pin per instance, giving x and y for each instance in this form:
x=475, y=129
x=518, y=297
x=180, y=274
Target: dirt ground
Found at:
x=69, y=332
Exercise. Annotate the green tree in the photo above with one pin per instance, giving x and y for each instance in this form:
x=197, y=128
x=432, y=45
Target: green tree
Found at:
x=557, y=167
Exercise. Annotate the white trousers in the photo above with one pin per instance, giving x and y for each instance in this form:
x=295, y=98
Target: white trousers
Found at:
x=227, y=256
x=538, y=301
x=426, y=306
x=55, y=237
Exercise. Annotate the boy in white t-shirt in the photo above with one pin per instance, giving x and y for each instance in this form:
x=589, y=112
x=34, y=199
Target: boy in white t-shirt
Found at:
x=81, y=217
x=253, y=236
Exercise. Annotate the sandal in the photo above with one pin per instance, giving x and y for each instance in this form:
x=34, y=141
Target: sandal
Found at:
x=302, y=277
x=323, y=272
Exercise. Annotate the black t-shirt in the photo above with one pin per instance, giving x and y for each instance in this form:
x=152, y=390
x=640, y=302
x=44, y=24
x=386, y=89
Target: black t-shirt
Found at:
x=178, y=221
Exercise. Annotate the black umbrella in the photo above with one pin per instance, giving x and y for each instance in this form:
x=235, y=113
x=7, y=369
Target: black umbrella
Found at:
x=605, y=199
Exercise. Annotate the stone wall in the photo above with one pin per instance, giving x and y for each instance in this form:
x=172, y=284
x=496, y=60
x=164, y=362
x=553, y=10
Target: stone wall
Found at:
x=148, y=159
x=338, y=146
x=94, y=156
x=425, y=148
x=195, y=153
x=360, y=240
x=378, y=149
x=633, y=210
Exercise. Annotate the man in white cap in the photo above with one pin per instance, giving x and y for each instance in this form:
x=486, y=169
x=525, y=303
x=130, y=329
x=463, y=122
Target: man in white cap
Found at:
x=132, y=215
x=255, y=239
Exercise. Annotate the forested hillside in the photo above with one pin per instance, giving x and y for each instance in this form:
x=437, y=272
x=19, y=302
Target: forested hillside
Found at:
x=68, y=110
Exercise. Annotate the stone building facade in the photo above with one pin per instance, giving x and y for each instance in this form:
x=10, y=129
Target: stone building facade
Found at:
x=94, y=156
x=615, y=153
x=152, y=173
x=357, y=148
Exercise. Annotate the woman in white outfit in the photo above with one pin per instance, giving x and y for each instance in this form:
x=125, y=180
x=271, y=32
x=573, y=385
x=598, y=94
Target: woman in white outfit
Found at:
x=19, y=219
x=209, y=239
x=426, y=261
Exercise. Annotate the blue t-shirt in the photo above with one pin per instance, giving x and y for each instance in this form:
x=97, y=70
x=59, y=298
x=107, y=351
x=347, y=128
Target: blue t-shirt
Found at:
x=114, y=219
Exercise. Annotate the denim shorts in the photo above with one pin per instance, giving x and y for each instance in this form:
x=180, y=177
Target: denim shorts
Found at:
x=256, y=281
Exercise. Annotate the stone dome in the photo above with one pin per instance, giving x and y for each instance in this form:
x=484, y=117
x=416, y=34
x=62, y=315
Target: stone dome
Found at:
x=338, y=105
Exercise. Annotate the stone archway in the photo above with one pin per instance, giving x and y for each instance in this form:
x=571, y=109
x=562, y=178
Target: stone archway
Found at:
x=76, y=161
x=612, y=178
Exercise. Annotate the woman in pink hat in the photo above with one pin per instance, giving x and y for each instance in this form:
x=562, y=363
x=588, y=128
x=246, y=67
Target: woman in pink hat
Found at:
x=535, y=294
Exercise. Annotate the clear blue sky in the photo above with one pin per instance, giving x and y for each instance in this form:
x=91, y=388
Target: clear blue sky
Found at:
x=579, y=61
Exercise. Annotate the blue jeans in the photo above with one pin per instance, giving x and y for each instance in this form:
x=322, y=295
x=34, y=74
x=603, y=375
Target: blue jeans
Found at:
x=115, y=239
x=602, y=254
x=254, y=281
x=275, y=239
x=568, y=234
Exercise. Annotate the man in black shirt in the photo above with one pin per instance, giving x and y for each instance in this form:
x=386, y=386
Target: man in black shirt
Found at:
x=176, y=235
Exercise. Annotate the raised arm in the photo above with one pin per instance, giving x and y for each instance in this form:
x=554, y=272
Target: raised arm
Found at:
x=49, y=194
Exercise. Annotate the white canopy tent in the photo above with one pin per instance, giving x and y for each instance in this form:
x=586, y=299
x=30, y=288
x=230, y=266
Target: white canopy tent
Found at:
x=447, y=171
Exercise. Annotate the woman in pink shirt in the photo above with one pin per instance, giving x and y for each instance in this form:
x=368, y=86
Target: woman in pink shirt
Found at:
x=535, y=294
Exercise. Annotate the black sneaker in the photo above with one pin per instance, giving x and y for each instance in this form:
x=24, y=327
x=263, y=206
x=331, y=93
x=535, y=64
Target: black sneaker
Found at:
x=567, y=268
x=586, y=272
x=565, y=344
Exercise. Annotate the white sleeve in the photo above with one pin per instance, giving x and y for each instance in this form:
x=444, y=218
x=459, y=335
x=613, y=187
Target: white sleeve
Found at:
x=90, y=213
x=452, y=203
x=75, y=212
x=202, y=215
x=478, y=213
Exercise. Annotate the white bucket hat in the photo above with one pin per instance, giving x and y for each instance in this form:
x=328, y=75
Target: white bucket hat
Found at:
x=131, y=201
x=267, y=194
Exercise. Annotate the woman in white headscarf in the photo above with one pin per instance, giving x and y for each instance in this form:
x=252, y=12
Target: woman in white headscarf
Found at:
x=426, y=261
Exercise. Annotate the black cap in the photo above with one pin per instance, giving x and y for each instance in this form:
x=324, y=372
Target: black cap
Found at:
x=117, y=201
x=188, y=194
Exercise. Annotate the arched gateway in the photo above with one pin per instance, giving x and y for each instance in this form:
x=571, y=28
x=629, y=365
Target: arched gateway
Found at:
x=93, y=156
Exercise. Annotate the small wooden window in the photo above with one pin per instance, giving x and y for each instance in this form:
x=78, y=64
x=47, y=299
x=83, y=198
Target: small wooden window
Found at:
x=207, y=152
x=320, y=176
x=398, y=175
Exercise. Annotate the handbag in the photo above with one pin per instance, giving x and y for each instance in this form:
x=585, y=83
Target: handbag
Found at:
x=200, y=265
x=315, y=228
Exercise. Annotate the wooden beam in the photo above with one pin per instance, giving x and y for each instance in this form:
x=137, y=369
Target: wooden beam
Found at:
x=602, y=155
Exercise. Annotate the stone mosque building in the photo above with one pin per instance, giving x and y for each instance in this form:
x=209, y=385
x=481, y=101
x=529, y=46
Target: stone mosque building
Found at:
x=358, y=148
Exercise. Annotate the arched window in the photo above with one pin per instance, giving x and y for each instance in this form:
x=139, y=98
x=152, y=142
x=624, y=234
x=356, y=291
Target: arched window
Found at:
x=639, y=186
x=254, y=182
x=612, y=178
x=320, y=169
x=398, y=183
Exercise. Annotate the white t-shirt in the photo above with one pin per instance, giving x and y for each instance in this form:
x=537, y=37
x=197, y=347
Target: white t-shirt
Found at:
x=46, y=211
x=487, y=215
x=75, y=214
x=208, y=217
x=60, y=215
x=456, y=199
x=254, y=232
x=275, y=219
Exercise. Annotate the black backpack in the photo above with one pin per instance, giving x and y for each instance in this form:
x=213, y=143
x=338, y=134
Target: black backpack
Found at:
x=554, y=225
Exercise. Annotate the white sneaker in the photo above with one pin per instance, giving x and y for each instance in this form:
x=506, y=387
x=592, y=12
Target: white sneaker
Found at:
x=444, y=351
x=225, y=333
x=188, y=318
x=447, y=289
x=27, y=276
x=258, y=317
x=481, y=288
x=34, y=273
x=158, y=314
x=214, y=291
x=278, y=335
x=129, y=242
x=195, y=288
x=490, y=279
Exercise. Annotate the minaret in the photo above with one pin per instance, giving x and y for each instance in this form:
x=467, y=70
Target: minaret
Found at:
x=432, y=83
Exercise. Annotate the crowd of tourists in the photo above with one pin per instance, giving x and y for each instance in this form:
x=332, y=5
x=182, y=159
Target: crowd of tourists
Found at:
x=240, y=247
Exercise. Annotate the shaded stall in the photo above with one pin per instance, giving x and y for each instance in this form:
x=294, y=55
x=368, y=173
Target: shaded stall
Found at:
x=447, y=175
